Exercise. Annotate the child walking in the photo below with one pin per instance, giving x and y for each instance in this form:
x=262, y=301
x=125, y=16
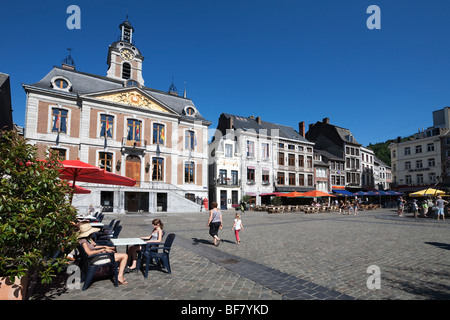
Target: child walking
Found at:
x=237, y=226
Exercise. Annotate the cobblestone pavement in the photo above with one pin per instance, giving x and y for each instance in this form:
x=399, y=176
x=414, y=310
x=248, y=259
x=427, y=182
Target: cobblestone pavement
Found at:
x=288, y=256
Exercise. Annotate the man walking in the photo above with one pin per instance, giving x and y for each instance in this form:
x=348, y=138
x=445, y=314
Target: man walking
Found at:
x=440, y=204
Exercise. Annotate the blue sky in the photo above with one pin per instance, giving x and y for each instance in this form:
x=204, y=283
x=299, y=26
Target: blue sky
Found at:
x=286, y=61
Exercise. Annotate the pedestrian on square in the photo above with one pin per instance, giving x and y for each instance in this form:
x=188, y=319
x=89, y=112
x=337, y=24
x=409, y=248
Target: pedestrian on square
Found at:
x=425, y=208
x=349, y=207
x=237, y=227
x=215, y=223
x=415, y=209
x=341, y=206
x=400, y=206
x=440, y=204
x=242, y=206
x=355, y=208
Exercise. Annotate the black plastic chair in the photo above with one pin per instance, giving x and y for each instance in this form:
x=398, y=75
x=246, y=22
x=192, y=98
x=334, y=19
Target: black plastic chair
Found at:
x=160, y=254
x=147, y=247
x=88, y=266
x=109, y=230
x=105, y=240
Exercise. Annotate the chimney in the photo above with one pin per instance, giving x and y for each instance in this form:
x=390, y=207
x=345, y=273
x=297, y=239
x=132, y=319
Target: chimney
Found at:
x=326, y=120
x=230, y=123
x=301, y=128
x=258, y=119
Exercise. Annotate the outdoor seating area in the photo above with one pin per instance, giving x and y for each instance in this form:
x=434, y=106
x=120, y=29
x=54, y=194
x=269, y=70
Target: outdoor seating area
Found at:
x=294, y=198
x=296, y=208
x=98, y=236
x=154, y=255
x=310, y=209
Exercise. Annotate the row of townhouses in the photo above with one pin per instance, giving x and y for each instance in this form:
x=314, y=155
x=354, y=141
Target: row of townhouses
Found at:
x=423, y=160
x=256, y=158
x=160, y=139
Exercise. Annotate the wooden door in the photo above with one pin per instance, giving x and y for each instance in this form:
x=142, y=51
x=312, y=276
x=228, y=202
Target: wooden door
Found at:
x=133, y=168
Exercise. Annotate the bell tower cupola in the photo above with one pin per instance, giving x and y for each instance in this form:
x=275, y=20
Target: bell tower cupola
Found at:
x=124, y=59
x=127, y=31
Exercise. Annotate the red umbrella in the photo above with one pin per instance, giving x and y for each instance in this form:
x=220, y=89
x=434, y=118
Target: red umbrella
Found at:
x=105, y=177
x=76, y=170
x=78, y=189
x=316, y=193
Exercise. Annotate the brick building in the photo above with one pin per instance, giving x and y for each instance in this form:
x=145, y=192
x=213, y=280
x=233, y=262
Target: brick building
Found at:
x=118, y=124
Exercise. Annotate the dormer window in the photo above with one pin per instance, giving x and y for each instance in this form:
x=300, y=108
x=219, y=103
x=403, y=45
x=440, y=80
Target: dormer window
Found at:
x=61, y=83
x=190, y=111
x=132, y=83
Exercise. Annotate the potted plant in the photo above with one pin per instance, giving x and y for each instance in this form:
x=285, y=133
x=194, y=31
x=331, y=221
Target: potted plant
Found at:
x=36, y=218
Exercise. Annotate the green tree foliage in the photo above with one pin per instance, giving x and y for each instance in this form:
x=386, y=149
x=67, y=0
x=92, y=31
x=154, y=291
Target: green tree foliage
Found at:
x=36, y=218
x=381, y=149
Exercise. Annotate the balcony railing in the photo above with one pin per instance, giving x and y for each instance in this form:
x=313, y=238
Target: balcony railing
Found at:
x=142, y=144
x=228, y=182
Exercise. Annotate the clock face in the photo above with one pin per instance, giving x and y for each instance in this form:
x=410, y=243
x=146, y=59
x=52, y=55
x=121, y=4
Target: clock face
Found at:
x=127, y=54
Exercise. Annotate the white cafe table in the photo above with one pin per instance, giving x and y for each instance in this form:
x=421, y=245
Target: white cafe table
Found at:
x=127, y=241
x=97, y=224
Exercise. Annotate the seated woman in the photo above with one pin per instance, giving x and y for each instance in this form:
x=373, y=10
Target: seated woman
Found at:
x=84, y=238
x=155, y=236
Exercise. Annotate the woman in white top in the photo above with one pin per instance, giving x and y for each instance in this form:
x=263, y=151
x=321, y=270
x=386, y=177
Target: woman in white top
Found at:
x=155, y=236
x=214, y=223
x=237, y=226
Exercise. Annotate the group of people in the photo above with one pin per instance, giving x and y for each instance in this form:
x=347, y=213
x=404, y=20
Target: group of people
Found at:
x=85, y=238
x=348, y=207
x=215, y=224
x=439, y=204
x=128, y=261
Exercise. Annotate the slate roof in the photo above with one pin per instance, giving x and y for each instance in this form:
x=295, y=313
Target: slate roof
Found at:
x=328, y=155
x=344, y=133
x=86, y=83
x=247, y=123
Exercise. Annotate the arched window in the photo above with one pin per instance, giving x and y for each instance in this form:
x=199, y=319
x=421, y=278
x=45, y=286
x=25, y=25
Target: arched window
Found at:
x=126, y=70
x=132, y=83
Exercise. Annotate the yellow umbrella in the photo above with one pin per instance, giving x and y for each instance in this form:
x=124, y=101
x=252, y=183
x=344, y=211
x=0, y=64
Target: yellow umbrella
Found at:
x=427, y=192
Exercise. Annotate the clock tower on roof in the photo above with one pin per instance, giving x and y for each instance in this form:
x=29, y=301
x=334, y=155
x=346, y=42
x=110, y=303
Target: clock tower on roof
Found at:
x=124, y=59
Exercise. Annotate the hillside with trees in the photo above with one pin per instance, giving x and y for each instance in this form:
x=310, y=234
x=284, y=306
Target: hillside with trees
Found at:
x=381, y=149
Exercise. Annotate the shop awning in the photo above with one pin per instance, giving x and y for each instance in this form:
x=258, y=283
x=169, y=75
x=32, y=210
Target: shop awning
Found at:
x=343, y=192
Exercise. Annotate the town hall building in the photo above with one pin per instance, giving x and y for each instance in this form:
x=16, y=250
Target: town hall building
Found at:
x=117, y=123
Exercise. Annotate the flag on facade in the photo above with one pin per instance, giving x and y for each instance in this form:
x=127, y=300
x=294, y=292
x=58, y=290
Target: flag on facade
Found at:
x=107, y=129
x=137, y=134
x=162, y=134
x=57, y=123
